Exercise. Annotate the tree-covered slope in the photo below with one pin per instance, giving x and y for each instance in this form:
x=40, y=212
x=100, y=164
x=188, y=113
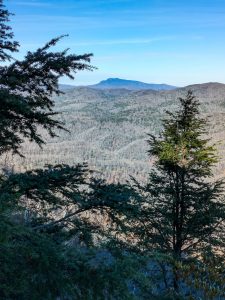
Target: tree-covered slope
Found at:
x=108, y=128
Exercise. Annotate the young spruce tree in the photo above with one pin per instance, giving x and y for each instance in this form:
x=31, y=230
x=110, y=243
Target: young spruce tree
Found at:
x=181, y=212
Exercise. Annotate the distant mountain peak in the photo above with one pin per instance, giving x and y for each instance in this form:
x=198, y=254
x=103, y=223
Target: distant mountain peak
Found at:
x=118, y=83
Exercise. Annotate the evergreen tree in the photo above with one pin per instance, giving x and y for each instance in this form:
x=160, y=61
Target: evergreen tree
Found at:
x=7, y=44
x=47, y=216
x=181, y=212
x=27, y=88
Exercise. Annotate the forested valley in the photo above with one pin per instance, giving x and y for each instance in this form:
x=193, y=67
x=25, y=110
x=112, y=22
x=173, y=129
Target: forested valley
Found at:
x=113, y=194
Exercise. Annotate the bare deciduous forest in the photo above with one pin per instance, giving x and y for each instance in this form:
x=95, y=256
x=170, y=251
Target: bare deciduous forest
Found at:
x=108, y=129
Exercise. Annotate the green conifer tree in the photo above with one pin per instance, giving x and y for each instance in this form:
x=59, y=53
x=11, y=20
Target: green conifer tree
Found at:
x=41, y=210
x=7, y=45
x=27, y=87
x=181, y=212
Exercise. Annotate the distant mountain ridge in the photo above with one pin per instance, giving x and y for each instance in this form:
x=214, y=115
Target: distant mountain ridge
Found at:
x=66, y=87
x=118, y=83
x=123, y=84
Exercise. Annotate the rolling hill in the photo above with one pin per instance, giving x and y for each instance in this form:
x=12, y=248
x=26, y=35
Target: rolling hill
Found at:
x=108, y=128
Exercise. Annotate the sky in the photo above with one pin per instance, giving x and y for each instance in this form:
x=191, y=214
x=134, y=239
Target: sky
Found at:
x=178, y=42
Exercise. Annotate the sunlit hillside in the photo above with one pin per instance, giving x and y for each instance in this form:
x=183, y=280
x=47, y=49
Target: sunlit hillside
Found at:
x=108, y=128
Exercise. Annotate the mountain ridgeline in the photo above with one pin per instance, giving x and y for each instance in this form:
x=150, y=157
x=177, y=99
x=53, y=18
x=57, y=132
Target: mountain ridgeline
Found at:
x=108, y=128
x=117, y=83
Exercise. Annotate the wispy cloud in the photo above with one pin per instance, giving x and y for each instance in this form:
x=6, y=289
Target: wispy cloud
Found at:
x=117, y=42
x=109, y=42
x=147, y=55
x=136, y=41
x=124, y=41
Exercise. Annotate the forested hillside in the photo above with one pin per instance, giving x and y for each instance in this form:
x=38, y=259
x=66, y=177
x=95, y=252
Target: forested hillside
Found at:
x=108, y=128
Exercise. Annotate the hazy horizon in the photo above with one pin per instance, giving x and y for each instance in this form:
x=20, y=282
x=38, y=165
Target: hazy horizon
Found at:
x=174, y=42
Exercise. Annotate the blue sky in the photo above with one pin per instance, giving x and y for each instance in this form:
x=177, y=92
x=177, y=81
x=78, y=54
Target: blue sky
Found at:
x=178, y=42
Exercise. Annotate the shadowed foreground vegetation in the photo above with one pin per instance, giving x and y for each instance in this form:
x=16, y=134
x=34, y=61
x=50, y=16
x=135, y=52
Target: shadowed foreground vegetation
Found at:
x=67, y=234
